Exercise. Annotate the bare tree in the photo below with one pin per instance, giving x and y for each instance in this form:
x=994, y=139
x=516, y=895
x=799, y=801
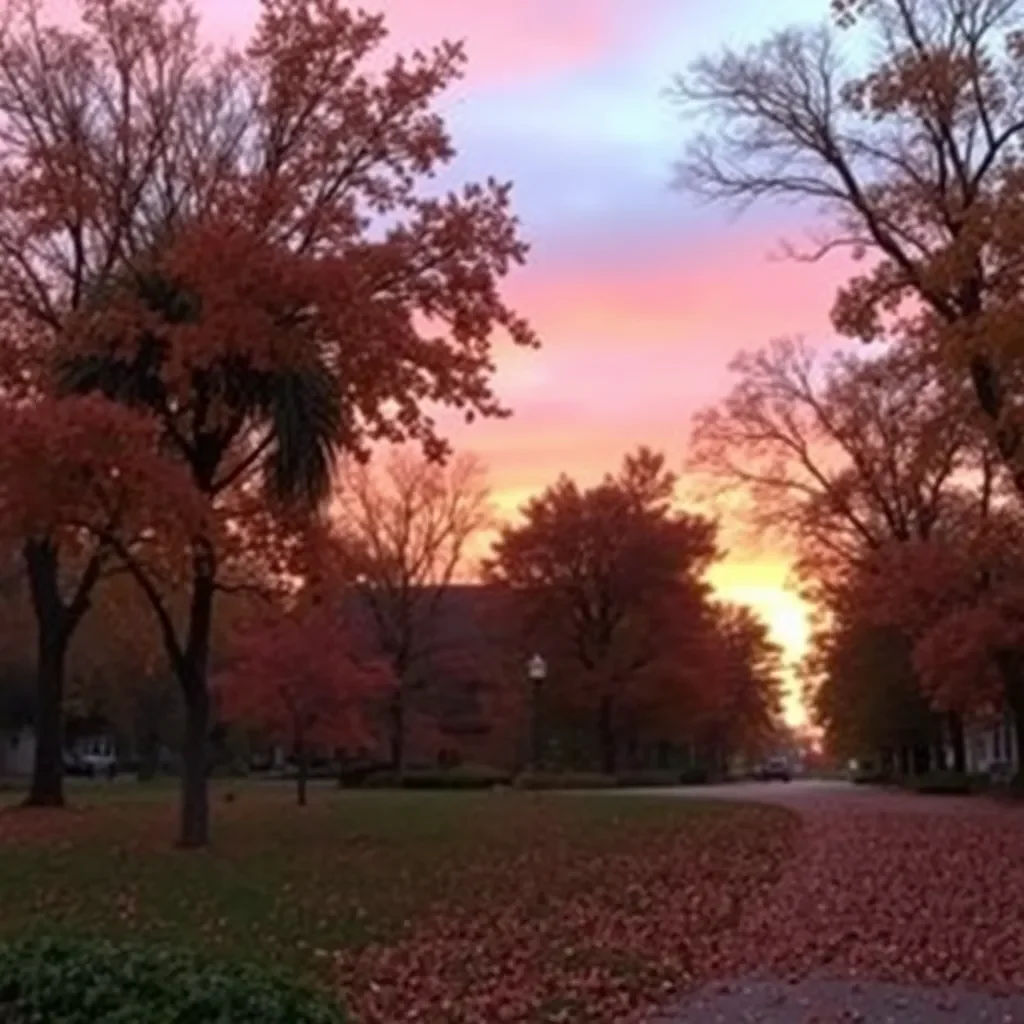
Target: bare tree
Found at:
x=914, y=161
x=840, y=457
x=409, y=523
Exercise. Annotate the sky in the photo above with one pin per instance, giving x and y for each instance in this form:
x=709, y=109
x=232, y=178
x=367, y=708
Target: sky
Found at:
x=641, y=295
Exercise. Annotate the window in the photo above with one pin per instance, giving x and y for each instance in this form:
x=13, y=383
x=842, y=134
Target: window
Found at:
x=997, y=743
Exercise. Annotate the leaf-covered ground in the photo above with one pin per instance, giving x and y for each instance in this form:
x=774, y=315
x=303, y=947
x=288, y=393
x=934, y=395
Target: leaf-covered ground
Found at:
x=454, y=908
x=894, y=888
x=893, y=908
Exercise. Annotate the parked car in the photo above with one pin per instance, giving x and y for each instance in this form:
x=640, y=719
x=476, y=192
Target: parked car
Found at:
x=99, y=763
x=774, y=768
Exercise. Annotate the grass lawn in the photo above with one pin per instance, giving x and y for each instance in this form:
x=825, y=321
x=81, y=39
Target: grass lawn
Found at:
x=456, y=907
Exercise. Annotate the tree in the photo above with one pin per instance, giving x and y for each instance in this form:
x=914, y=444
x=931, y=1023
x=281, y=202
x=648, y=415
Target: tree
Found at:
x=864, y=691
x=240, y=244
x=300, y=677
x=915, y=163
x=72, y=470
x=960, y=596
x=836, y=457
x=839, y=459
x=408, y=524
x=118, y=671
x=743, y=692
x=604, y=570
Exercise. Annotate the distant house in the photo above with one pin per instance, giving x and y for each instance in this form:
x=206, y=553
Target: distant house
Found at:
x=993, y=746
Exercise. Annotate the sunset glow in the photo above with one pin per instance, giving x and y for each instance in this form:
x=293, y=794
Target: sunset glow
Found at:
x=640, y=296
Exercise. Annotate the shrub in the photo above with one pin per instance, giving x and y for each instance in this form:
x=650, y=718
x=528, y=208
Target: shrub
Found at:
x=463, y=777
x=870, y=777
x=694, y=777
x=79, y=981
x=564, y=780
x=1015, y=787
x=649, y=778
x=943, y=784
x=359, y=773
x=467, y=776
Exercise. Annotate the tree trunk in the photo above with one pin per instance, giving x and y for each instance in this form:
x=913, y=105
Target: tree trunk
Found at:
x=606, y=736
x=957, y=742
x=302, y=777
x=47, y=788
x=192, y=669
x=1016, y=702
x=1018, y=730
x=149, y=756
x=195, y=800
x=53, y=632
x=398, y=732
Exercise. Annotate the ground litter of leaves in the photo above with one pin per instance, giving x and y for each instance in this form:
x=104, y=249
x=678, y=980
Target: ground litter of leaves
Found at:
x=589, y=909
x=893, y=909
x=454, y=908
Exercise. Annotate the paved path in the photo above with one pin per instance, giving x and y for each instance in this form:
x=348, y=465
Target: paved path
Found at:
x=896, y=909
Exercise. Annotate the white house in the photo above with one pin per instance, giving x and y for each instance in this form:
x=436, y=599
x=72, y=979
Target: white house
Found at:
x=993, y=746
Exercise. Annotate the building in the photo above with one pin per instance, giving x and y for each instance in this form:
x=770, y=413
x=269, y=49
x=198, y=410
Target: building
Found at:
x=993, y=747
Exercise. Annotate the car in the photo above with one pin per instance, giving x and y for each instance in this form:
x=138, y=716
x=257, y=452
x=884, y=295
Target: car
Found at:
x=775, y=768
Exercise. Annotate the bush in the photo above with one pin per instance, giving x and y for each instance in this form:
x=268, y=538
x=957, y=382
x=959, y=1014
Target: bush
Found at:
x=943, y=784
x=358, y=773
x=649, y=778
x=694, y=777
x=564, y=780
x=1014, y=788
x=464, y=777
x=76, y=981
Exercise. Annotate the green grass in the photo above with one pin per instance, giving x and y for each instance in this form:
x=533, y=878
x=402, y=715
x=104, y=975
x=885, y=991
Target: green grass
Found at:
x=282, y=882
x=399, y=899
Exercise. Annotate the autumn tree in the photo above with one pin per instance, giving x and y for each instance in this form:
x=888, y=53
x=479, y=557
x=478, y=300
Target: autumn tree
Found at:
x=605, y=570
x=743, y=686
x=304, y=679
x=864, y=691
x=838, y=458
x=913, y=163
x=118, y=670
x=408, y=523
x=960, y=597
x=72, y=469
x=239, y=244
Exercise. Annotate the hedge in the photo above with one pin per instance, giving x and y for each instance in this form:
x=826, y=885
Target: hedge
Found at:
x=86, y=981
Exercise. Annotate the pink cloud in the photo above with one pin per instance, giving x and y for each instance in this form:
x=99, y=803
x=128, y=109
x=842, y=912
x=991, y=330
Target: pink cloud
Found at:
x=636, y=339
x=701, y=290
x=508, y=42
x=504, y=42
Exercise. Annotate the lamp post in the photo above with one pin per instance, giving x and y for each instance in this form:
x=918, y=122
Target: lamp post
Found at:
x=537, y=672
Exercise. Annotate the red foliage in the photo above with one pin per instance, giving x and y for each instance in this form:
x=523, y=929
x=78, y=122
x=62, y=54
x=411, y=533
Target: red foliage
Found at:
x=610, y=582
x=959, y=598
x=74, y=469
x=300, y=677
